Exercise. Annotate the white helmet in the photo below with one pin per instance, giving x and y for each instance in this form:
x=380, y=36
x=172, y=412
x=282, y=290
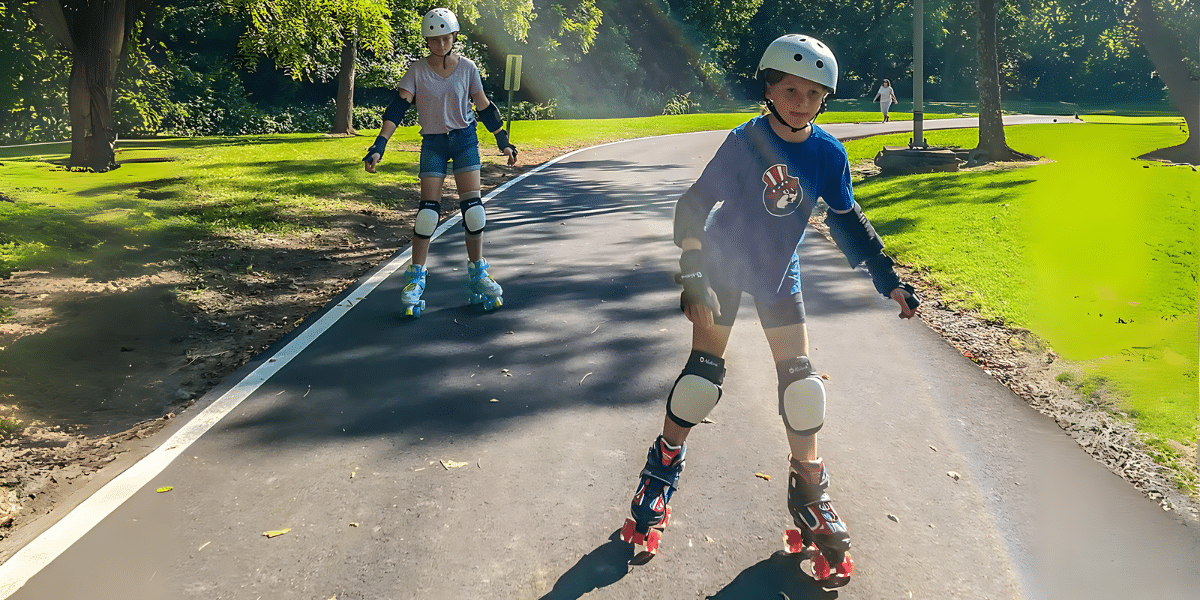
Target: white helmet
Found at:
x=803, y=56
x=439, y=21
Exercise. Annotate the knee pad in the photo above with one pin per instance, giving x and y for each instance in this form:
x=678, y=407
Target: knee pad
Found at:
x=801, y=396
x=473, y=214
x=427, y=219
x=697, y=390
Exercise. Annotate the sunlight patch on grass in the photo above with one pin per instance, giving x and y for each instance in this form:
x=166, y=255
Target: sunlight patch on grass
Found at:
x=1094, y=252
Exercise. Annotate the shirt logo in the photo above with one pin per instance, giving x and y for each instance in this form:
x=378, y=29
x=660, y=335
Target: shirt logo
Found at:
x=782, y=193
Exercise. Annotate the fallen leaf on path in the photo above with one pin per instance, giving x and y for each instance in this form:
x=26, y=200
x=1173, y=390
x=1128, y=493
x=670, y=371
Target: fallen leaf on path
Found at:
x=276, y=532
x=450, y=464
x=894, y=518
x=763, y=476
x=164, y=489
x=953, y=475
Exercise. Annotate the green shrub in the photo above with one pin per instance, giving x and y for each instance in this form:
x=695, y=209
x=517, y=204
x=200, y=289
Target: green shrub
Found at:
x=528, y=111
x=680, y=104
x=10, y=427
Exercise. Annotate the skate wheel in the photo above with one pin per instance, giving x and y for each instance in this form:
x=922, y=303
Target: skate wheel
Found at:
x=832, y=578
x=793, y=542
x=645, y=545
x=414, y=310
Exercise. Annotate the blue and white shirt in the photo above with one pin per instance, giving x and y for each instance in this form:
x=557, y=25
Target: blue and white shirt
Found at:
x=764, y=190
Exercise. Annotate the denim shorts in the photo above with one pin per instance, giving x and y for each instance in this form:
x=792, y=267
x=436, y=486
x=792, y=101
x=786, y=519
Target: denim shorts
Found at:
x=460, y=146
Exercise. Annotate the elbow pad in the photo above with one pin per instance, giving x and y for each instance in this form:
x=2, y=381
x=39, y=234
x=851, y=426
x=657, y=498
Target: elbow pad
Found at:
x=490, y=117
x=395, y=111
x=854, y=235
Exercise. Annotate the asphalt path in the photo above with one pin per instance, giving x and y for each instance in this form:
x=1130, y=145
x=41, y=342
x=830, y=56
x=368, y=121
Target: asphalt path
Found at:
x=463, y=455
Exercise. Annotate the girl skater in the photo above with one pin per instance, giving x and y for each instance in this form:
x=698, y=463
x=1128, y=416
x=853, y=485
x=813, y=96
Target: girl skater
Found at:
x=767, y=175
x=443, y=86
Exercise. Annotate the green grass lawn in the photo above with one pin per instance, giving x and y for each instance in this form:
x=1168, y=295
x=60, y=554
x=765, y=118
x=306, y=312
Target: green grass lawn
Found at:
x=1093, y=252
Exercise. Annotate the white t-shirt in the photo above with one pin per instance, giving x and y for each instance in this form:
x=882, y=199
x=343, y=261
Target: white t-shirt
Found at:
x=886, y=92
x=443, y=103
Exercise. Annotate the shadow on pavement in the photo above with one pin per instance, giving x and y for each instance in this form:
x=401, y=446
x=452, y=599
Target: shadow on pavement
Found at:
x=776, y=578
x=601, y=567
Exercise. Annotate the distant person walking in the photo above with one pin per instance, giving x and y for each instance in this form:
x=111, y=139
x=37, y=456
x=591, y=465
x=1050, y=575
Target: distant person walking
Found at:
x=886, y=96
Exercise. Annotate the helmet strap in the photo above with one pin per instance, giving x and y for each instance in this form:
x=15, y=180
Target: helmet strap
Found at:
x=774, y=111
x=778, y=117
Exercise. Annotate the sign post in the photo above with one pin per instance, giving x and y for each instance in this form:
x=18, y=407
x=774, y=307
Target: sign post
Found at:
x=512, y=83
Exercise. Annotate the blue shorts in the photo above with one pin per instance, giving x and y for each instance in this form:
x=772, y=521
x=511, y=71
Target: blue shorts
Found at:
x=460, y=146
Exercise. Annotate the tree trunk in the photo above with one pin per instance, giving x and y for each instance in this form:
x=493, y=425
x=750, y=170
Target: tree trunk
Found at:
x=343, y=120
x=992, y=145
x=94, y=32
x=1167, y=54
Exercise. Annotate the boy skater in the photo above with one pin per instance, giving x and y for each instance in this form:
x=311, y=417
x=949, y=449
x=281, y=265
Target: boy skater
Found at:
x=443, y=86
x=768, y=175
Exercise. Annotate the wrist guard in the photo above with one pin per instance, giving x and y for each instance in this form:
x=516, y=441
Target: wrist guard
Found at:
x=695, y=283
x=502, y=142
x=885, y=279
x=377, y=148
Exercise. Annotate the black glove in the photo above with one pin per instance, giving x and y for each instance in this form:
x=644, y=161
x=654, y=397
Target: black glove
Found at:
x=695, y=283
x=502, y=142
x=377, y=148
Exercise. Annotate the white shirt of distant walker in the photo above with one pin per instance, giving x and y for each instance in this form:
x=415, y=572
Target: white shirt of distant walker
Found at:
x=886, y=94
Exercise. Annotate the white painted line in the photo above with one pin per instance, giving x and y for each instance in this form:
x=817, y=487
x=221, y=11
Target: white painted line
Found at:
x=32, y=558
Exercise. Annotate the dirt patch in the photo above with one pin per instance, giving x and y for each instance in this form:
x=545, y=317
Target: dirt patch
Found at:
x=92, y=365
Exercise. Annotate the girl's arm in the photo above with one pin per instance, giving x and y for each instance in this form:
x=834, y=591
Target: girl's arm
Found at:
x=489, y=115
x=392, y=116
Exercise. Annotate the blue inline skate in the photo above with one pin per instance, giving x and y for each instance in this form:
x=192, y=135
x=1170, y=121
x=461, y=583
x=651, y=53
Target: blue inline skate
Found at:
x=481, y=288
x=820, y=535
x=649, y=512
x=414, y=286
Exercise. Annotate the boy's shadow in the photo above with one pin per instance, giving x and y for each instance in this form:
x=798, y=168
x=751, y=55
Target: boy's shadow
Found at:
x=776, y=578
x=601, y=567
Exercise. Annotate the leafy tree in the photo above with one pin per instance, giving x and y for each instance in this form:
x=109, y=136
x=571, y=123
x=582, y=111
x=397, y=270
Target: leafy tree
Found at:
x=95, y=33
x=36, y=73
x=307, y=38
x=991, y=123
